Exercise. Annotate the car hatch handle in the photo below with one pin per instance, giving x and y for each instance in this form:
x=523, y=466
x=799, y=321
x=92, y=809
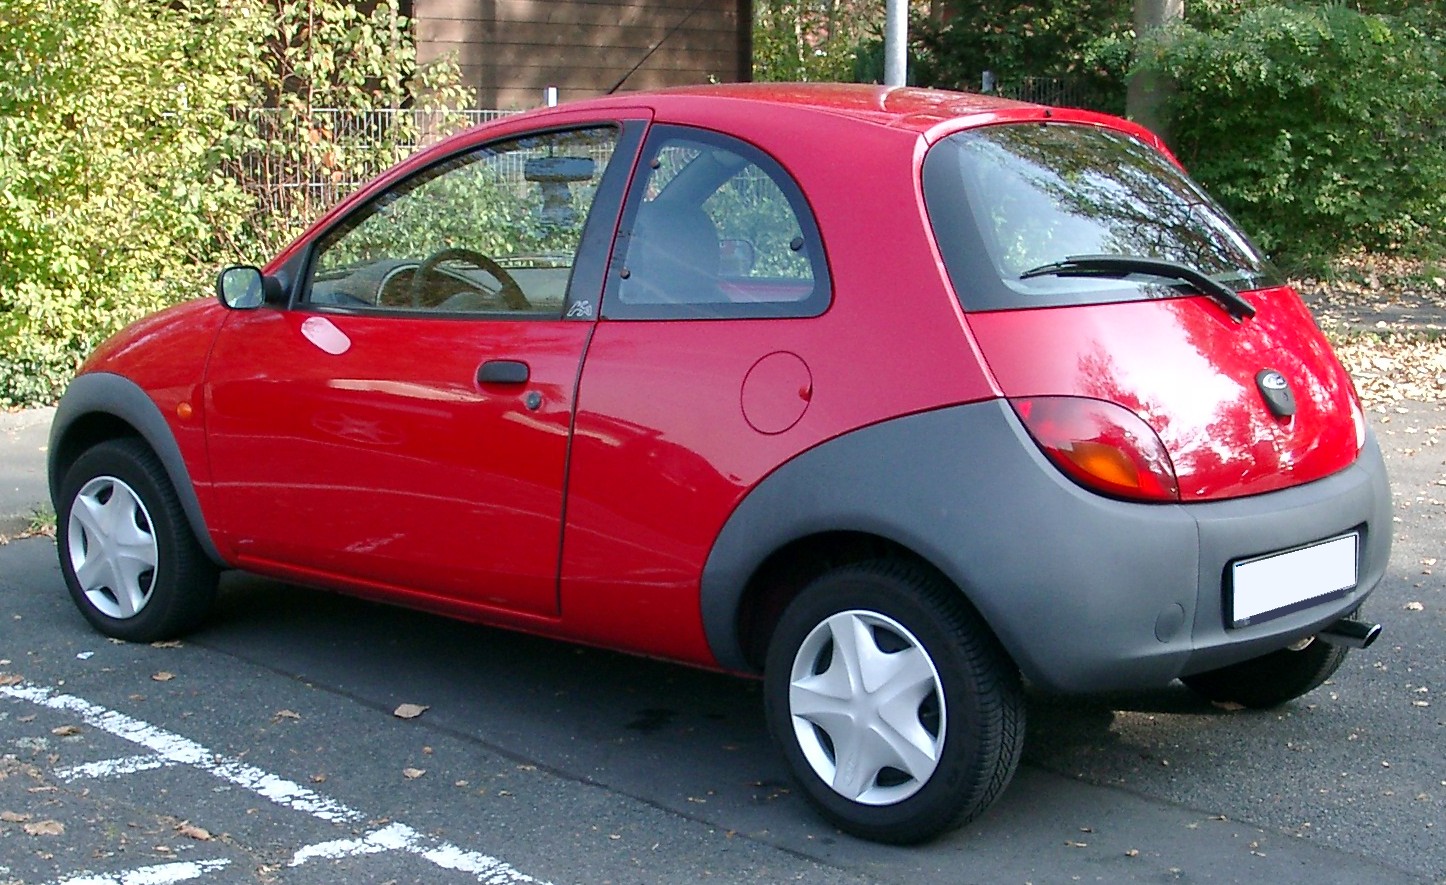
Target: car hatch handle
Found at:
x=503, y=372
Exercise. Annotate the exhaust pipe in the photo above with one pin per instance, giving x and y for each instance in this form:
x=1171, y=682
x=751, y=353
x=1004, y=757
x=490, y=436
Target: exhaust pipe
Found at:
x=1350, y=633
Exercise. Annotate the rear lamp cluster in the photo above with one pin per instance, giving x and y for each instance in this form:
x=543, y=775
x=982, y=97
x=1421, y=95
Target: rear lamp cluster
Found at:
x=1100, y=445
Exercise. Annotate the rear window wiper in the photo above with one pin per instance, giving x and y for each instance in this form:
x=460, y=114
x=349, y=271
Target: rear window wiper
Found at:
x=1125, y=265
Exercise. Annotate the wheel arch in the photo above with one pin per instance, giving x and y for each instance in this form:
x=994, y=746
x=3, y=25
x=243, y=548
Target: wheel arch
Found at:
x=842, y=502
x=100, y=406
x=785, y=572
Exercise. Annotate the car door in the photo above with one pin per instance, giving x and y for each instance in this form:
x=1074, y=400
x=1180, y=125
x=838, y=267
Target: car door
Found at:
x=403, y=427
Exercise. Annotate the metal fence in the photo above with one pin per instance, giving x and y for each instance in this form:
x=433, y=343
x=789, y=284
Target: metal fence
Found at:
x=1046, y=90
x=298, y=163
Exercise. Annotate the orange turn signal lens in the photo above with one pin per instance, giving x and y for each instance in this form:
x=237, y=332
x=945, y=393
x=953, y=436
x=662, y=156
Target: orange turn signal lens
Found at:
x=1102, y=446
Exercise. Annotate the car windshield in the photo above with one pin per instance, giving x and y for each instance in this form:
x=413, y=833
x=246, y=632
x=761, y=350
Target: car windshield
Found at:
x=1012, y=204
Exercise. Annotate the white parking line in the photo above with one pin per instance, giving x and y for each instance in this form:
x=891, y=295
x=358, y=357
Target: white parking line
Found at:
x=400, y=837
x=113, y=767
x=160, y=874
x=172, y=749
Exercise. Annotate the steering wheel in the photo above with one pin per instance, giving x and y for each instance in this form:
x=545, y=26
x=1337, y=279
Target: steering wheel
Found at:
x=510, y=292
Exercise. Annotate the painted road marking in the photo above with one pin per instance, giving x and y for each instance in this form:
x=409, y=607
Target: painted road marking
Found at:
x=113, y=767
x=160, y=874
x=400, y=837
x=172, y=749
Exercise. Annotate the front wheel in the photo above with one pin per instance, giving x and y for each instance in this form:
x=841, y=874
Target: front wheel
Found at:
x=130, y=561
x=898, y=712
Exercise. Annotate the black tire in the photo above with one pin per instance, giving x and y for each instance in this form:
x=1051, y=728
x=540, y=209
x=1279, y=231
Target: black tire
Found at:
x=970, y=713
x=145, y=577
x=1270, y=680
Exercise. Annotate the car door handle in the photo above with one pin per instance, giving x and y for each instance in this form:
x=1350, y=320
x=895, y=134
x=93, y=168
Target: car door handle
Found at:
x=503, y=372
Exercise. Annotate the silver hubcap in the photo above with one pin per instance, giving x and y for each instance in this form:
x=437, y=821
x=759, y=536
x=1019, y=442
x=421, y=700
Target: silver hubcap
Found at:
x=867, y=707
x=112, y=547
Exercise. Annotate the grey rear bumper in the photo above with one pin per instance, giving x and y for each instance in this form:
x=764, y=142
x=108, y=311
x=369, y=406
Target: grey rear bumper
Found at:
x=1085, y=592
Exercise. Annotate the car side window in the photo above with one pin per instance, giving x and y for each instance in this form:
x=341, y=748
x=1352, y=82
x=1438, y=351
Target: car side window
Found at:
x=715, y=229
x=494, y=231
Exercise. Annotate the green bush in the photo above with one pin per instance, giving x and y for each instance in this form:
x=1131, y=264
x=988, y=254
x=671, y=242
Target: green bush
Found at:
x=1039, y=39
x=119, y=145
x=1320, y=127
x=105, y=110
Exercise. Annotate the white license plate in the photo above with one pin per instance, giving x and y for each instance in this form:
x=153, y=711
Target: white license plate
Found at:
x=1273, y=585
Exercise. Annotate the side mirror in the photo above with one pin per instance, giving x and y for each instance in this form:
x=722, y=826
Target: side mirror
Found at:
x=246, y=288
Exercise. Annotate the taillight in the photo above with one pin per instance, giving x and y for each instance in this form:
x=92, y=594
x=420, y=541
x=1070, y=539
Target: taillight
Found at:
x=1102, y=446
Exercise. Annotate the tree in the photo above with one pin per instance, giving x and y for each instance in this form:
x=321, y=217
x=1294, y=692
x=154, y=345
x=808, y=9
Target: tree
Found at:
x=1147, y=100
x=811, y=40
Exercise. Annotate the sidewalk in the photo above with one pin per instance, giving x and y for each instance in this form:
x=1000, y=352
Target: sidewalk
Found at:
x=23, y=490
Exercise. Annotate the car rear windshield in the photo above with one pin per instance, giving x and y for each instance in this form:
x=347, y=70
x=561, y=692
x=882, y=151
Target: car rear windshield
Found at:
x=1009, y=201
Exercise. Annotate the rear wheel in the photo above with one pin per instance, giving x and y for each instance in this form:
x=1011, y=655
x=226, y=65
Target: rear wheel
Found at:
x=1270, y=680
x=130, y=561
x=897, y=711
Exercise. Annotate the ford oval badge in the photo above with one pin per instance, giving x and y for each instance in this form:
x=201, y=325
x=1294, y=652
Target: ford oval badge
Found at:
x=1275, y=390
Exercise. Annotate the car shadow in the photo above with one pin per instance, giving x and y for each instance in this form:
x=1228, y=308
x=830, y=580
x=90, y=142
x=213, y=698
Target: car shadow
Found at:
x=680, y=738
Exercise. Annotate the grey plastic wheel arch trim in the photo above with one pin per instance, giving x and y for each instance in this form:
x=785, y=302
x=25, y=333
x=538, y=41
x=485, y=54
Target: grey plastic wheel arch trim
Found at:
x=1085, y=593
x=115, y=395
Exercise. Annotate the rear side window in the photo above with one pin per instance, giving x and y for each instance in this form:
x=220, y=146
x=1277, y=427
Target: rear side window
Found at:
x=1011, y=199
x=715, y=229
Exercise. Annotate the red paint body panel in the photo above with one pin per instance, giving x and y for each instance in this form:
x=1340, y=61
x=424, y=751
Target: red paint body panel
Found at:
x=1189, y=371
x=661, y=458
x=389, y=462
x=165, y=355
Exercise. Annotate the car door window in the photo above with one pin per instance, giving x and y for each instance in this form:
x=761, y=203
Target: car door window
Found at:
x=716, y=228
x=493, y=231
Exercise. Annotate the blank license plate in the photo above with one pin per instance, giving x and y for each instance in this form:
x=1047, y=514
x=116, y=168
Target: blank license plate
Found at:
x=1273, y=585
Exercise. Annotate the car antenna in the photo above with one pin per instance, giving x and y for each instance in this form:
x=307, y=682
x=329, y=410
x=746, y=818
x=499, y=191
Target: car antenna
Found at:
x=649, y=54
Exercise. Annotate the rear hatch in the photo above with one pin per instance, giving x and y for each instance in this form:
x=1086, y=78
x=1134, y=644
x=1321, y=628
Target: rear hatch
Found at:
x=1148, y=346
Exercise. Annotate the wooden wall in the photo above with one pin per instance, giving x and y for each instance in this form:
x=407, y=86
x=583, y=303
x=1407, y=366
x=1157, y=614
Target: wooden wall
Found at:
x=509, y=50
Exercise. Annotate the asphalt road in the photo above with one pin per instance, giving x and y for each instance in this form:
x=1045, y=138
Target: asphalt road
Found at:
x=264, y=749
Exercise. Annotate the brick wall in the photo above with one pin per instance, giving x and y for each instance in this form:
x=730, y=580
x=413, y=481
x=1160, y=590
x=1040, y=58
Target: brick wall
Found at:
x=510, y=49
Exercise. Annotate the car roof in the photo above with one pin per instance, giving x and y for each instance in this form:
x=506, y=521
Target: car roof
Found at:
x=909, y=108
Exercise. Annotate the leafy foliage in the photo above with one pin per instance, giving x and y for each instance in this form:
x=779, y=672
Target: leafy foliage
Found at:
x=1042, y=38
x=1319, y=126
x=105, y=159
x=117, y=134
x=811, y=40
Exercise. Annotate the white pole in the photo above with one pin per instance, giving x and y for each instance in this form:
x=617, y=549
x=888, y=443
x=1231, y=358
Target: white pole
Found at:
x=896, y=32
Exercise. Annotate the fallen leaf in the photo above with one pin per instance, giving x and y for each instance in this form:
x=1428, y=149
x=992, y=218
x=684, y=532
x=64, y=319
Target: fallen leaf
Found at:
x=1070, y=843
x=9, y=679
x=1133, y=852
x=285, y=714
x=45, y=828
x=164, y=676
x=169, y=643
x=65, y=730
x=318, y=778
x=193, y=832
x=1414, y=607
x=409, y=711
x=14, y=817
x=412, y=774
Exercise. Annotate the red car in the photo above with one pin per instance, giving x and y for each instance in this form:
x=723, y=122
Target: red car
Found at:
x=893, y=398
